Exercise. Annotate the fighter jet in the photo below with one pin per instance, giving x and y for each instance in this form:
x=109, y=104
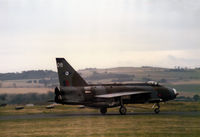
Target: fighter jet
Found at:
x=74, y=90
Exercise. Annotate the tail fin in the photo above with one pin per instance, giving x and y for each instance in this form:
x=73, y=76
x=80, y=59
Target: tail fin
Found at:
x=67, y=75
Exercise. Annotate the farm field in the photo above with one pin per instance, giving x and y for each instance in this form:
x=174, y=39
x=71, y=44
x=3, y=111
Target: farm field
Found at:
x=25, y=90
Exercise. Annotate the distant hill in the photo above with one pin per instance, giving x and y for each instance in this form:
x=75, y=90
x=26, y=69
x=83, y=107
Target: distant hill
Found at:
x=180, y=78
x=141, y=74
x=120, y=74
x=32, y=74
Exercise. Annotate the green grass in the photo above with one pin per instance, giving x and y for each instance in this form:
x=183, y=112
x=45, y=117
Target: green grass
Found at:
x=105, y=126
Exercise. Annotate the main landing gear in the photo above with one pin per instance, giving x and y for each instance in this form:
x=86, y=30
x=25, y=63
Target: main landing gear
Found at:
x=157, y=110
x=122, y=109
x=103, y=110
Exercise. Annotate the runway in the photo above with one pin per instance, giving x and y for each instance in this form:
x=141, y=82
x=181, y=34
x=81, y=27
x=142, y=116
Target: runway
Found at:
x=65, y=115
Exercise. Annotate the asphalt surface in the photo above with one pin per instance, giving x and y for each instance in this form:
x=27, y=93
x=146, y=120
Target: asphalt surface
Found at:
x=64, y=115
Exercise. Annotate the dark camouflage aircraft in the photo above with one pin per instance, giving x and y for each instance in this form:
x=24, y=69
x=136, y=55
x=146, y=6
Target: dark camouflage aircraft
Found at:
x=74, y=90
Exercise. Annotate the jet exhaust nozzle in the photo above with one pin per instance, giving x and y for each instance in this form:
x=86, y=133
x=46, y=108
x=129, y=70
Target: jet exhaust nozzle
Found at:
x=58, y=97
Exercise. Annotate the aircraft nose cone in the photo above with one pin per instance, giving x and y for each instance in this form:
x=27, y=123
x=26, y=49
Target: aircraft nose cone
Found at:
x=175, y=92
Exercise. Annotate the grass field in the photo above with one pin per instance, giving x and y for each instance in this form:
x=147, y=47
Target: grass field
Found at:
x=151, y=125
x=169, y=106
x=105, y=126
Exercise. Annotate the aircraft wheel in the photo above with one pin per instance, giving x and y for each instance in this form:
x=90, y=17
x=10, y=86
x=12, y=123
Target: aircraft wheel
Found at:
x=103, y=111
x=157, y=110
x=122, y=110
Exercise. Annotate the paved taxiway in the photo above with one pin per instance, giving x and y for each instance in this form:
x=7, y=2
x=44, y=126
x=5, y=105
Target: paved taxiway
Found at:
x=63, y=115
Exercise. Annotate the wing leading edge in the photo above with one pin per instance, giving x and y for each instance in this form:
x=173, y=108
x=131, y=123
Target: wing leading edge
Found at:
x=120, y=94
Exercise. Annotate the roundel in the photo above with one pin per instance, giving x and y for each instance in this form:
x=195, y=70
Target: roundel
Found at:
x=67, y=73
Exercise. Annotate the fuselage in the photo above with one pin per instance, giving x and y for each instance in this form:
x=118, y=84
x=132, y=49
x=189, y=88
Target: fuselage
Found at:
x=87, y=95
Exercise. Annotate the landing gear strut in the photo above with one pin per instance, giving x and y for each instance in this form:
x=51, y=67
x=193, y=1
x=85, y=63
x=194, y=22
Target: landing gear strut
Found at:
x=157, y=110
x=103, y=111
x=122, y=109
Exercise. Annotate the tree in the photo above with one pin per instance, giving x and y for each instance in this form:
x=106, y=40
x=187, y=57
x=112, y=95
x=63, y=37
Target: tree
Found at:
x=163, y=80
x=196, y=98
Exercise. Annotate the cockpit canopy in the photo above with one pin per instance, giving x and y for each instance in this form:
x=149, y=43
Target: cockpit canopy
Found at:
x=153, y=83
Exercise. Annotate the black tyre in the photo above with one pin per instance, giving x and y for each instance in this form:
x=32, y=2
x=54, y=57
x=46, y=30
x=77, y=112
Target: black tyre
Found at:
x=157, y=110
x=122, y=110
x=103, y=111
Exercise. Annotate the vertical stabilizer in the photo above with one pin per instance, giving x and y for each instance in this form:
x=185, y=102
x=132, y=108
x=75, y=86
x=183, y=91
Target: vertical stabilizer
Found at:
x=67, y=75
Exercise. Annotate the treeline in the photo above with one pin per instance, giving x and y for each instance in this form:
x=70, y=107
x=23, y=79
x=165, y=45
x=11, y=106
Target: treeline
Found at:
x=195, y=98
x=30, y=98
x=32, y=74
x=51, y=83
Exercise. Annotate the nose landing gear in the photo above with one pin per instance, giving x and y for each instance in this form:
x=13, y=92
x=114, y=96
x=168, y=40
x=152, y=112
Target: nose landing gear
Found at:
x=157, y=110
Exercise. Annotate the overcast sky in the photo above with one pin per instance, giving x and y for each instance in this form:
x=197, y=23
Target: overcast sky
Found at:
x=99, y=33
